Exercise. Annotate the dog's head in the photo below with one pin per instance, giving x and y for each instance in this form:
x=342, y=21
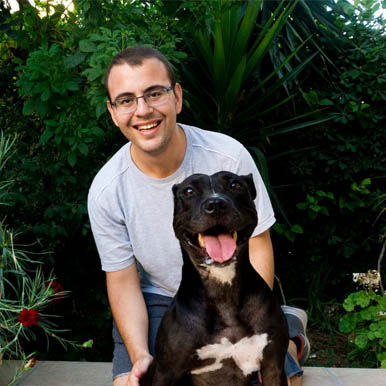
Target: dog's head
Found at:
x=214, y=216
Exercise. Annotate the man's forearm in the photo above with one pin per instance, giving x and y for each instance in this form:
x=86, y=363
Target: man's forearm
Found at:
x=261, y=256
x=129, y=310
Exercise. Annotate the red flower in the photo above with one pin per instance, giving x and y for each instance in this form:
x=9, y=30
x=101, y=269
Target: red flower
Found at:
x=54, y=287
x=29, y=317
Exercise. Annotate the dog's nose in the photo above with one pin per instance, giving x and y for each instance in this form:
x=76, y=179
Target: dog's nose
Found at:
x=214, y=205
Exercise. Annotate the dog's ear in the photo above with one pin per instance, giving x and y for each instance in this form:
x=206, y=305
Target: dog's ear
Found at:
x=252, y=189
x=174, y=189
x=176, y=201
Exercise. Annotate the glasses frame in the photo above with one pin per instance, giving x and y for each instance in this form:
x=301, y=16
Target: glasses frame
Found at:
x=167, y=89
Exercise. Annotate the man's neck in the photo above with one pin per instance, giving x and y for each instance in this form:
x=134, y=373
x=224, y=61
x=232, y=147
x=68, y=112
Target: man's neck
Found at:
x=165, y=163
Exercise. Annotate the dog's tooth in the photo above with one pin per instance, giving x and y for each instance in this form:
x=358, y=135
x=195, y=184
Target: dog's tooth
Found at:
x=235, y=235
x=209, y=261
x=201, y=241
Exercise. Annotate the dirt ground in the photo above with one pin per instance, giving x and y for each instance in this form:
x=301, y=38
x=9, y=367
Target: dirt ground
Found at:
x=327, y=350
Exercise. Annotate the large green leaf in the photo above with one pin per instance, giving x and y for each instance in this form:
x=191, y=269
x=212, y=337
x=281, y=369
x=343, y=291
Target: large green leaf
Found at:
x=267, y=40
x=246, y=27
x=203, y=44
x=219, y=68
x=302, y=125
x=235, y=84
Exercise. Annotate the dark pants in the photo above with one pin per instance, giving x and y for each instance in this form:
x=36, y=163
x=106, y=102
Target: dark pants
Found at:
x=156, y=307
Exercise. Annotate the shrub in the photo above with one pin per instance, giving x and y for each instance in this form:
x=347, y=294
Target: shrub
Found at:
x=25, y=294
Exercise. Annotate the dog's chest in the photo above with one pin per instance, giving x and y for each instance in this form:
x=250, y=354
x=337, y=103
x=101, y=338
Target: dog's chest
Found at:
x=246, y=354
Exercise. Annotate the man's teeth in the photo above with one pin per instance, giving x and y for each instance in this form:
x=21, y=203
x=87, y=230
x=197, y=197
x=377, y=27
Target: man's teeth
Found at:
x=147, y=127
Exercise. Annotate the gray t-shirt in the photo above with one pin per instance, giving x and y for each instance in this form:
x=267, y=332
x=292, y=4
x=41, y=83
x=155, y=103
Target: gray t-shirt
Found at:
x=131, y=213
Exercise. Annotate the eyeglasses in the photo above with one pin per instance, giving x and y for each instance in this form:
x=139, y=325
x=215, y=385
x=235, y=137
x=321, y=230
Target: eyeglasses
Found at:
x=154, y=97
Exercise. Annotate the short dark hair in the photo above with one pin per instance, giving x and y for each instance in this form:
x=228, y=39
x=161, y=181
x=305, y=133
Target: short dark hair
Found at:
x=135, y=56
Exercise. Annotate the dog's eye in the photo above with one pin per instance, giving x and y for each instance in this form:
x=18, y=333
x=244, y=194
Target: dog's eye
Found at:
x=235, y=185
x=188, y=191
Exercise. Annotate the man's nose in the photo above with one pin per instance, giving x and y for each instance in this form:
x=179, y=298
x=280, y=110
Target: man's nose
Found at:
x=142, y=107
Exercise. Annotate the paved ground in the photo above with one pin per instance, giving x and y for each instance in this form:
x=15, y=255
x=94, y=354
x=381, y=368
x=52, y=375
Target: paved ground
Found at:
x=99, y=374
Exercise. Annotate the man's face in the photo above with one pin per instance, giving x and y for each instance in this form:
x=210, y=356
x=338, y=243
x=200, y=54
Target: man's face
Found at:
x=150, y=129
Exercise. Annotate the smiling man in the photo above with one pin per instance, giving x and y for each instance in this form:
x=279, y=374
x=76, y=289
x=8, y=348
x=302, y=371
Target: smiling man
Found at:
x=131, y=207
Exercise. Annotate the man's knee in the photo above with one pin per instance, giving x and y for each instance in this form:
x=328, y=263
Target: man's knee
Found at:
x=294, y=381
x=121, y=381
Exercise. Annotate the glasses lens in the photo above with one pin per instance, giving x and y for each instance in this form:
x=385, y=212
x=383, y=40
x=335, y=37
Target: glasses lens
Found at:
x=156, y=96
x=126, y=105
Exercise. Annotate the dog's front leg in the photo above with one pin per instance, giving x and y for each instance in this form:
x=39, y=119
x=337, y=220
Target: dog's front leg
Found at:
x=273, y=375
x=163, y=376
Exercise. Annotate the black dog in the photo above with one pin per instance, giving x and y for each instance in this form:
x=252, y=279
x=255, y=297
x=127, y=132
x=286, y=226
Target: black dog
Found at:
x=224, y=324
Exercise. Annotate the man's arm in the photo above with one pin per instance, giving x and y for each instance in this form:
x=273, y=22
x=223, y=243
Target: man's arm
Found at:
x=261, y=256
x=130, y=314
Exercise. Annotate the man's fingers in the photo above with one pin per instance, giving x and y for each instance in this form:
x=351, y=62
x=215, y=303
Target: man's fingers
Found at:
x=139, y=369
x=133, y=379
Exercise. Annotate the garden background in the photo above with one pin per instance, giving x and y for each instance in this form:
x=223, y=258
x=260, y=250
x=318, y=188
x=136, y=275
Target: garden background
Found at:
x=302, y=84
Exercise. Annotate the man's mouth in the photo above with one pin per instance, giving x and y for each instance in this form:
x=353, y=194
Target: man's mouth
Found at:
x=147, y=126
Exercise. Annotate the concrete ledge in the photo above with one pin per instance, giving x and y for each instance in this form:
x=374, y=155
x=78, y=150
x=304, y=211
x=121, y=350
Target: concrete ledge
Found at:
x=53, y=373
x=323, y=376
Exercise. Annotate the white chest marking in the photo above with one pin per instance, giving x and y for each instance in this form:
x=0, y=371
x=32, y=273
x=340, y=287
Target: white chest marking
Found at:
x=224, y=275
x=247, y=354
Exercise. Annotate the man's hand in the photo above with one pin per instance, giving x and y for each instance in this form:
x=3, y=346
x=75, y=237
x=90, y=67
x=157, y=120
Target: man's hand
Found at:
x=140, y=367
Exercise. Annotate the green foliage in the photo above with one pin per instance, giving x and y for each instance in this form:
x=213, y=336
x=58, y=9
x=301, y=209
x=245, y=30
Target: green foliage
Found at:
x=61, y=83
x=230, y=50
x=365, y=321
x=44, y=83
x=301, y=85
x=6, y=151
x=21, y=292
x=289, y=231
x=313, y=204
x=53, y=99
x=340, y=158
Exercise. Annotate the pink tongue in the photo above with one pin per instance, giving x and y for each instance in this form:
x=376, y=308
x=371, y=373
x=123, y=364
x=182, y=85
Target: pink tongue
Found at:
x=220, y=248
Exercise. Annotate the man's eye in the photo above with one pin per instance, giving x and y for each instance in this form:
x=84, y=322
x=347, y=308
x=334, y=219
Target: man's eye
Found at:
x=126, y=101
x=154, y=94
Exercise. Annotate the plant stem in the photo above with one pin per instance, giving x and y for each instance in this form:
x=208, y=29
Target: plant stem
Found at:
x=379, y=266
x=281, y=289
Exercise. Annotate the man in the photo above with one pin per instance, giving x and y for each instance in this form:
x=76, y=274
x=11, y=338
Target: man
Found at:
x=131, y=206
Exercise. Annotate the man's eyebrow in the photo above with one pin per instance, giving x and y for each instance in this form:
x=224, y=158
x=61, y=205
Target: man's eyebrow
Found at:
x=124, y=94
x=153, y=87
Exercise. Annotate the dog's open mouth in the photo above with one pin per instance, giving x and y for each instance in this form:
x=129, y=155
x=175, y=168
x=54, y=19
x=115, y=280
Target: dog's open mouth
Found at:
x=218, y=243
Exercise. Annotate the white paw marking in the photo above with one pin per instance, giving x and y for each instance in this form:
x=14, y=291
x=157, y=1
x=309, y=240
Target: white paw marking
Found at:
x=247, y=354
x=224, y=275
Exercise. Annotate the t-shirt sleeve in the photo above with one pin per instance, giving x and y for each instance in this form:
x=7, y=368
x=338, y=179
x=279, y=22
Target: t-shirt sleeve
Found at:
x=265, y=214
x=110, y=234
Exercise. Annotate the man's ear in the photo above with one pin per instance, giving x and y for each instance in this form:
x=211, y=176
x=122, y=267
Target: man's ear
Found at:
x=112, y=112
x=178, y=97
